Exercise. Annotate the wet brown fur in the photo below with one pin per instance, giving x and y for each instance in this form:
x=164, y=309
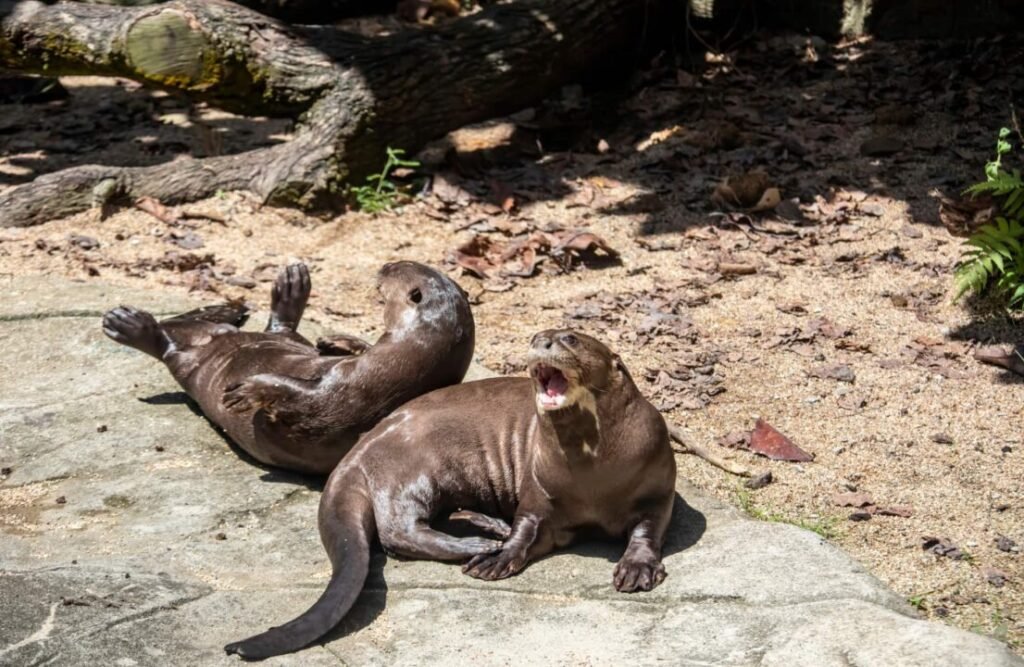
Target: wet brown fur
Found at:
x=278, y=396
x=486, y=452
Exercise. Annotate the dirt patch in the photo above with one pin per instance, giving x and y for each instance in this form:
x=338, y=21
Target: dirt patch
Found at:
x=828, y=315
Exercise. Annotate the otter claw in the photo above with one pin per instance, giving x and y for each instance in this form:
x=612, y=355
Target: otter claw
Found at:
x=493, y=566
x=637, y=575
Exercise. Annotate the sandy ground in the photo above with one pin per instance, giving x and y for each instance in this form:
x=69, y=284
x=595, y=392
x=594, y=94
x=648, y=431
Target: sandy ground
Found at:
x=921, y=426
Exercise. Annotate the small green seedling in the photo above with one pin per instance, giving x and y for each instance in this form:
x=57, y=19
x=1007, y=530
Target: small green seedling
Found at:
x=380, y=193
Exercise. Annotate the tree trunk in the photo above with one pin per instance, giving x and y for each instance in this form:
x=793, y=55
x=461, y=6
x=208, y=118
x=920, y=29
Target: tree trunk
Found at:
x=353, y=96
x=294, y=11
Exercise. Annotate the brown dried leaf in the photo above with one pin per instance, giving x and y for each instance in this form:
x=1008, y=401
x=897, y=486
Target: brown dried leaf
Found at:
x=583, y=242
x=162, y=213
x=905, y=511
x=841, y=372
x=740, y=191
x=941, y=546
x=768, y=441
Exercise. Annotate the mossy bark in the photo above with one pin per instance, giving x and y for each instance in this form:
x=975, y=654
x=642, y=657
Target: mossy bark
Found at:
x=352, y=96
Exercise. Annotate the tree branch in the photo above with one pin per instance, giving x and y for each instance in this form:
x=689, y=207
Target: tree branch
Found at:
x=353, y=96
x=213, y=50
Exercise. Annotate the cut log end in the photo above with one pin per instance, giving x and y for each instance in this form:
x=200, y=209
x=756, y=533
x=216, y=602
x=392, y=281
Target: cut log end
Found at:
x=169, y=48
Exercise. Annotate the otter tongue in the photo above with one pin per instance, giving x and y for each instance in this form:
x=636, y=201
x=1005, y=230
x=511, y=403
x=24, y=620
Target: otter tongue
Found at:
x=557, y=385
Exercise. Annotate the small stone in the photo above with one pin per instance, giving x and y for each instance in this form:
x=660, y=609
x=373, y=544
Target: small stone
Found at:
x=6, y=471
x=102, y=428
x=603, y=147
x=159, y=448
x=759, y=481
x=911, y=232
x=241, y=281
x=942, y=439
x=850, y=486
x=860, y=515
x=83, y=242
x=852, y=499
x=997, y=578
x=1004, y=543
x=839, y=450
x=127, y=576
x=220, y=536
x=1006, y=449
x=942, y=612
x=61, y=500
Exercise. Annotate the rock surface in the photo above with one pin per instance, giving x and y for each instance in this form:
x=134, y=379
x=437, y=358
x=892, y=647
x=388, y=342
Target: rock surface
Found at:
x=169, y=544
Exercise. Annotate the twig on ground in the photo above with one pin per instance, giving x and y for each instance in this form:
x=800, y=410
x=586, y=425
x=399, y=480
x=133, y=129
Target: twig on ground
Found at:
x=688, y=447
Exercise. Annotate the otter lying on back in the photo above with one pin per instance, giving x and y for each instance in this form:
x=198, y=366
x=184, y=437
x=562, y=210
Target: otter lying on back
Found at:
x=277, y=396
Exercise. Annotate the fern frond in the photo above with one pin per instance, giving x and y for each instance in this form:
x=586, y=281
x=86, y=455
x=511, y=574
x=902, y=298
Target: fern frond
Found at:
x=1000, y=183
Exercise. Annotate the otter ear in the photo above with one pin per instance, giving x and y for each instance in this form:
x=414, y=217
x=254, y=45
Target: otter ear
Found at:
x=617, y=363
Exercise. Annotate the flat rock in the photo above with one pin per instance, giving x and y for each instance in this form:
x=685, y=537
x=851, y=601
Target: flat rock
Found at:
x=170, y=544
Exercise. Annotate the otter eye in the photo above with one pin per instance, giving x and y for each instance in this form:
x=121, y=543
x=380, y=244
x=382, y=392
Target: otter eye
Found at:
x=416, y=295
x=570, y=340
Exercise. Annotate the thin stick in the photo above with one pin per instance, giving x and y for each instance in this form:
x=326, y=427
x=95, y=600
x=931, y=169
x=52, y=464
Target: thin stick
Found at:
x=687, y=447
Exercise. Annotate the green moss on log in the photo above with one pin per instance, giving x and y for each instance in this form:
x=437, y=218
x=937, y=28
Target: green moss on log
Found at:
x=170, y=49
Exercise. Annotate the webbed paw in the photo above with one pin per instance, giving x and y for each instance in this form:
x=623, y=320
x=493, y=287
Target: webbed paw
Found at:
x=493, y=566
x=638, y=573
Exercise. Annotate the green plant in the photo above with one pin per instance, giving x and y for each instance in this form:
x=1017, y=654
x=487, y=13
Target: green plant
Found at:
x=380, y=193
x=994, y=259
x=823, y=526
x=919, y=601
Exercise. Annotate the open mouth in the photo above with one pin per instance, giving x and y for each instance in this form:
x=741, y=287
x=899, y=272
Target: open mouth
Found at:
x=554, y=386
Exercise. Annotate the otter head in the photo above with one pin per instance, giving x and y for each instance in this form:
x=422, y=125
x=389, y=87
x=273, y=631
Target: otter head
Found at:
x=419, y=299
x=571, y=369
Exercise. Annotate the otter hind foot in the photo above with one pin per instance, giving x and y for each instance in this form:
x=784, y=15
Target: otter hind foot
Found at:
x=288, y=298
x=136, y=328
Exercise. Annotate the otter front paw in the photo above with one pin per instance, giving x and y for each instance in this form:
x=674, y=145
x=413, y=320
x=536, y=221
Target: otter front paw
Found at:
x=638, y=573
x=493, y=566
x=250, y=395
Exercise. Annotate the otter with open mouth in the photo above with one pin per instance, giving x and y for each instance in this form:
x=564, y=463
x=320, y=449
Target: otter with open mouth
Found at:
x=296, y=405
x=572, y=449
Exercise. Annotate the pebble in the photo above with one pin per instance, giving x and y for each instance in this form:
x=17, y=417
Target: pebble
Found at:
x=1004, y=543
x=759, y=481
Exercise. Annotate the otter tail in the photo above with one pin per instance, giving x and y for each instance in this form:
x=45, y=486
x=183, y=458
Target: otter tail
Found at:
x=348, y=529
